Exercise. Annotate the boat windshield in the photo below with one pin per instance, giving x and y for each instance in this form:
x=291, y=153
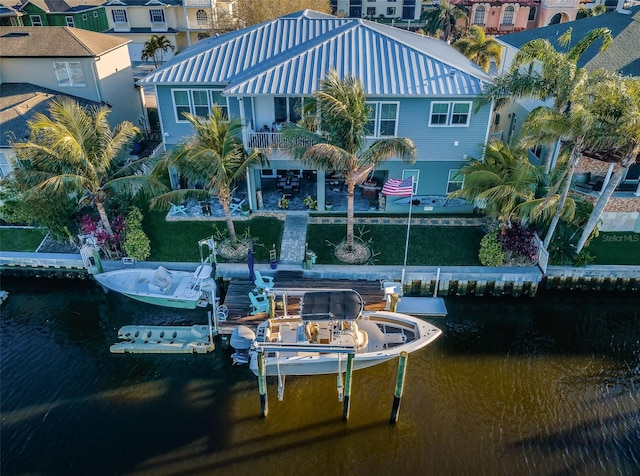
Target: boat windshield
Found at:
x=331, y=305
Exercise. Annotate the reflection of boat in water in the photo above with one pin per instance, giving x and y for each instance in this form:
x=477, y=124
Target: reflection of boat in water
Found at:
x=432, y=201
x=3, y=296
x=330, y=324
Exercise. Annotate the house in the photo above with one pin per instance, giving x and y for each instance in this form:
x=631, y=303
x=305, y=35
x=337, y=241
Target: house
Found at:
x=19, y=102
x=92, y=66
x=402, y=9
x=623, y=56
x=505, y=16
x=83, y=14
x=10, y=16
x=418, y=87
x=182, y=22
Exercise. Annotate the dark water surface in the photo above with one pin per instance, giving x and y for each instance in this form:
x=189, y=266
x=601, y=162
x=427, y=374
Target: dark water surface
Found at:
x=543, y=386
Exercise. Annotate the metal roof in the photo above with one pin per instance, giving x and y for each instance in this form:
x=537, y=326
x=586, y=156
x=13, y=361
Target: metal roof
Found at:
x=290, y=54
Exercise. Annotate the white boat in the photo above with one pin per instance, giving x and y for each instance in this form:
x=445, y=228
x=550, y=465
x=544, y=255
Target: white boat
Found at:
x=162, y=287
x=330, y=325
x=197, y=339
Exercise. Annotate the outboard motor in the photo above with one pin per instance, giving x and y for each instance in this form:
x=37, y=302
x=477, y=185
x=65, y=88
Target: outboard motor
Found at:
x=241, y=339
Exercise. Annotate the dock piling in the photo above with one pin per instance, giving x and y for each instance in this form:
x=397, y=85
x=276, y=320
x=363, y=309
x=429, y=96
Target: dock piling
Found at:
x=262, y=385
x=402, y=371
x=347, y=388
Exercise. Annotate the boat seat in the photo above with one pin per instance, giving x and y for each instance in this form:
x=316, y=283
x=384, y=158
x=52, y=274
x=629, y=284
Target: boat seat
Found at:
x=362, y=339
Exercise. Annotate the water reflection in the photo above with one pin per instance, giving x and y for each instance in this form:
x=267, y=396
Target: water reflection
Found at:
x=515, y=386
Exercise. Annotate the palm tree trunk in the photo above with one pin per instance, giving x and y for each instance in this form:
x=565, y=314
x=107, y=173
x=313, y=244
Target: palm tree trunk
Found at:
x=599, y=207
x=104, y=219
x=351, y=185
x=224, y=201
x=573, y=162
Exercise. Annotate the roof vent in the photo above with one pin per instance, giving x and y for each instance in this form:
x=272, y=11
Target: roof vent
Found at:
x=16, y=34
x=452, y=72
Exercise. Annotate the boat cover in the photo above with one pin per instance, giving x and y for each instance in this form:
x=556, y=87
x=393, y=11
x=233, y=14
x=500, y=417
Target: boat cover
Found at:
x=344, y=305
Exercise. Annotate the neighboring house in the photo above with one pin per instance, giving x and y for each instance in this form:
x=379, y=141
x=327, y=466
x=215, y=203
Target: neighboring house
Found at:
x=183, y=22
x=83, y=14
x=18, y=104
x=419, y=87
x=10, y=16
x=93, y=66
x=504, y=16
x=622, y=56
x=403, y=9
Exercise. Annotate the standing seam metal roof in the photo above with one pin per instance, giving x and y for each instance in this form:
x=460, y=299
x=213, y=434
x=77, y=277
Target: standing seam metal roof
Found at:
x=291, y=54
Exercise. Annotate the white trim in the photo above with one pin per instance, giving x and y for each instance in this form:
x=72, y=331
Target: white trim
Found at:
x=173, y=102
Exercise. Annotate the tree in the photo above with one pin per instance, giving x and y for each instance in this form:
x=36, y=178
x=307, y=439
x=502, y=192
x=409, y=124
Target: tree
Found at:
x=213, y=156
x=341, y=144
x=441, y=20
x=155, y=48
x=478, y=48
x=557, y=77
x=75, y=153
x=250, y=12
x=504, y=181
x=617, y=103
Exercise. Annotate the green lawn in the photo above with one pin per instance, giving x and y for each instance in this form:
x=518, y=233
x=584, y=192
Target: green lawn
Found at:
x=428, y=245
x=178, y=240
x=21, y=239
x=621, y=248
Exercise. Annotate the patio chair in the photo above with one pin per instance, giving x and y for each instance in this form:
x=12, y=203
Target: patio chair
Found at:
x=259, y=303
x=236, y=205
x=262, y=282
x=177, y=209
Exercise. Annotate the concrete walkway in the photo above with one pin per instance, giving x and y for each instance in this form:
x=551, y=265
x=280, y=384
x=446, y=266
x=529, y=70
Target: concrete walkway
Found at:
x=294, y=237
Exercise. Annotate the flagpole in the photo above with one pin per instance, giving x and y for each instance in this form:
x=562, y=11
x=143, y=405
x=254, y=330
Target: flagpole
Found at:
x=406, y=245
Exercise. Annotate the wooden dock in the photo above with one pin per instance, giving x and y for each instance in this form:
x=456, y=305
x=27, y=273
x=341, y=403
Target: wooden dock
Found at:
x=237, y=296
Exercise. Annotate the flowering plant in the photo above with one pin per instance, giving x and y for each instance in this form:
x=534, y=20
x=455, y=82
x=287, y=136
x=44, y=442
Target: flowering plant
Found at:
x=310, y=202
x=283, y=202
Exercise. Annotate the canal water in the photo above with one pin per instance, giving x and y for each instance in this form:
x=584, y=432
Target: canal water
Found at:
x=515, y=386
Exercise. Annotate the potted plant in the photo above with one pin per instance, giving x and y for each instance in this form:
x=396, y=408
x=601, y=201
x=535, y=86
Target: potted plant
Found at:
x=310, y=202
x=328, y=204
x=283, y=202
x=373, y=204
x=245, y=209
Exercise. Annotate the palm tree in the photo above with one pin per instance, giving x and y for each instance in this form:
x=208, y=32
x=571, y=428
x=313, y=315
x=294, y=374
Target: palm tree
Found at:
x=75, y=153
x=557, y=78
x=441, y=21
x=342, y=143
x=618, y=105
x=504, y=181
x=155, y=48
x=214, y=156
x=480, y=49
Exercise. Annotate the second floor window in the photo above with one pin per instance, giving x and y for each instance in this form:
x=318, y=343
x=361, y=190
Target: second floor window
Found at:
x=198, y=102
x=202, y=18
x=69, y=21
x=450, y=113
x=391, y=11
x=478, y=17
x=69, y=74
x=455, y=181
x=382, y=120
x=507, y=17
x=287, y=109
x=36, y=20
x=157, y=15
x=119, y=15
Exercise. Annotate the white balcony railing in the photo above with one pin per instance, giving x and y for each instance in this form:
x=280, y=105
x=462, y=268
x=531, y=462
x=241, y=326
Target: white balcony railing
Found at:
x=199, y=3
x=272, y=140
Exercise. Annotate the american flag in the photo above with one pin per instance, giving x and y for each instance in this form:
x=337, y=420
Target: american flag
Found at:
x=398, y=188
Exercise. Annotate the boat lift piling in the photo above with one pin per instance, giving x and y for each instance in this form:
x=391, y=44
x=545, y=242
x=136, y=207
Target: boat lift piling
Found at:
x=402, y=371
x=262, y=385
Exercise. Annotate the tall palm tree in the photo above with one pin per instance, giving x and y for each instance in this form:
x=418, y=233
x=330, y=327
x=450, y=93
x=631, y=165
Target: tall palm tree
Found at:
x=214, y=156
x=342, y=144
x=155, y=48
x=618, y=105
x=441, y=20
x=75, y=152
x=504, y=181
x=479, y=48
x=557, y=78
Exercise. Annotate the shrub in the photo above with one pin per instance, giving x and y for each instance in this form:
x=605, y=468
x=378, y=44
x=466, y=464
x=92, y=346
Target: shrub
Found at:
x=583, y=259
x=136, y=243
x=518, y=244
x=491, y=252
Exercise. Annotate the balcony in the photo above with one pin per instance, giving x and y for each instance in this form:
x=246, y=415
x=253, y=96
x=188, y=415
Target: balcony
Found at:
x=272, y=140
x=199, y=3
